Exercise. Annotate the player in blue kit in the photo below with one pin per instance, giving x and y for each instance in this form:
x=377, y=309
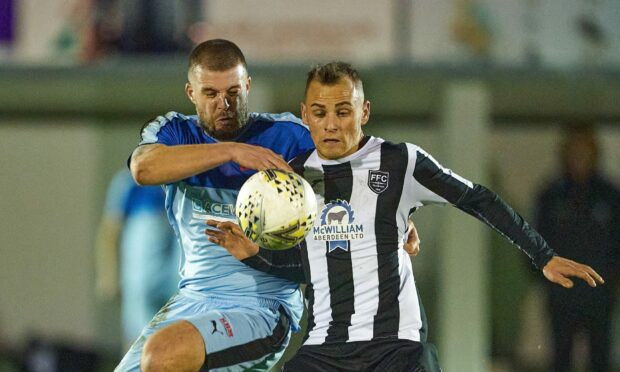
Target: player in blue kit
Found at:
x=226, y=316
x=136, y=252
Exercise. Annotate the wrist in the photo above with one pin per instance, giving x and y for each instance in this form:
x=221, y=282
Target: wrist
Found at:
x=254, y=250
x=228, y=149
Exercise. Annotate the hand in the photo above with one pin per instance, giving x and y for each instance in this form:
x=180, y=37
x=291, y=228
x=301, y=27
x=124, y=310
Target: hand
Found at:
x=412, y=245
x=230, y=236
x=257, y=157
x=559, y=269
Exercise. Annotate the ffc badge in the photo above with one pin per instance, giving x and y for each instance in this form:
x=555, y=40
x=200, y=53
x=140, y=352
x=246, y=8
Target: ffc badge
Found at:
x=378, y=180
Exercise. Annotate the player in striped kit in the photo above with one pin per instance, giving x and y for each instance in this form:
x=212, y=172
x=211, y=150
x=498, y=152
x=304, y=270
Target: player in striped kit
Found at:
x=364, y=312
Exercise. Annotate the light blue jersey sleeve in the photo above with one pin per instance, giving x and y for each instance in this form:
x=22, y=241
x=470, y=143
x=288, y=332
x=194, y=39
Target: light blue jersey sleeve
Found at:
x=117, y=194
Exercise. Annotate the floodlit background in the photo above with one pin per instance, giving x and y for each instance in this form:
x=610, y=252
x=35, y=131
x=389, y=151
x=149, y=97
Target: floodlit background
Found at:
x=484, y=85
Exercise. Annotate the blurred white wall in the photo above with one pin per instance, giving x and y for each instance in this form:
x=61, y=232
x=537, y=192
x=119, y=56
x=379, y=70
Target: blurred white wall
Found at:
x=47, y=222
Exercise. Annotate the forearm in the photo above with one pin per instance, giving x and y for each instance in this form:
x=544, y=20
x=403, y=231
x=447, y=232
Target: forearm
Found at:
x=492, y=210
x=160, y=164
x=283, y=264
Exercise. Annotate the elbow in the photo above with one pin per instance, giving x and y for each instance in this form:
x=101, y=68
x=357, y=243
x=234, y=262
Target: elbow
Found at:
x=141, y=172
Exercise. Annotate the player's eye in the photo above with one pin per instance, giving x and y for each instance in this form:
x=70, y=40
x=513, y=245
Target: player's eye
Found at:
x=343, y=112
x=210, y=94
x=233, y=93
x=318, y=113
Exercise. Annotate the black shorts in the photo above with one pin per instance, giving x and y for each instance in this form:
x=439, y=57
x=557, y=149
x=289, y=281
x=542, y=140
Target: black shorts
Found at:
x=376, y=355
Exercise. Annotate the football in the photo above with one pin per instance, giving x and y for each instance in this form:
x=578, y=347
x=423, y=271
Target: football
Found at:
x=276, y=209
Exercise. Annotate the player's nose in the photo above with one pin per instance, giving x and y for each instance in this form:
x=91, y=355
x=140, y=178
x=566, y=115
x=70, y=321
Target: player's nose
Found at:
x=331, y=122
x=223, y=102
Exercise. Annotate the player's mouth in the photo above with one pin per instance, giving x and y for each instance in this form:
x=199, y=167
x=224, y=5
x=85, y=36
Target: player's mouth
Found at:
x=225, y=120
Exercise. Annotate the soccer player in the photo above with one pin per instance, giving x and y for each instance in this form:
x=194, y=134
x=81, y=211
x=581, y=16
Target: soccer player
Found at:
x=364, y=312
x=137, y=254
x=226, y=316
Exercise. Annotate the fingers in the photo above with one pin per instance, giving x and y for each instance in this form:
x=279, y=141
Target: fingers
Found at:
x=412, y=245
x=584, y=274
x=594, y=274
x=412, y=233
x=215, y=236
x=260, y=158
x=565, y=282
x=412, y=250
x=273, y=160
x=222, y=228
x=280, y=163
x=223, y=225
x=223, y=231
x=559, y=269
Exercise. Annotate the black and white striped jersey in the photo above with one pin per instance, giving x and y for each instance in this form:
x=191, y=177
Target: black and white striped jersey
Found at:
x=360, y=284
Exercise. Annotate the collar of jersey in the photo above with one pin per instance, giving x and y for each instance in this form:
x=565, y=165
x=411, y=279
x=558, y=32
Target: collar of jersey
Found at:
x=366, y=147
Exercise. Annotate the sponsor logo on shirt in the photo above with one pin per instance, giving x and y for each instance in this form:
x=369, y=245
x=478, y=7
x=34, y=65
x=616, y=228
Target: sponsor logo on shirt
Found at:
x=337, y=227
x=227, y=327
x=215, y=330
x=200, y=208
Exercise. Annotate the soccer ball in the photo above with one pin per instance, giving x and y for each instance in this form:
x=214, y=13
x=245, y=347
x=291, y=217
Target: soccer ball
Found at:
x=276, y=209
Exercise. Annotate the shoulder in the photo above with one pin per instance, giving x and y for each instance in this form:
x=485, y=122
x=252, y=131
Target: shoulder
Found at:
x=171, y=118
x=394, y=146
x=400, y=149
x=407, y=149
x=165, y=127
x=284, y=121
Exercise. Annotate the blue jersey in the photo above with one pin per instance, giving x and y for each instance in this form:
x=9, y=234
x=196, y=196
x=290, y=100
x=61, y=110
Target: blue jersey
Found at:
x=126, y=199
x=207, y=267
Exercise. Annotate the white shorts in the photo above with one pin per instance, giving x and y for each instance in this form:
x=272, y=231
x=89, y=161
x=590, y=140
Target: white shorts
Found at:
x=243, y=334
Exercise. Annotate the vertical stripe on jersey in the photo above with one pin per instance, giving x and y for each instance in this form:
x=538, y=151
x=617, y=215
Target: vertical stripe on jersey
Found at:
x=364, y=251
x=309, y=290
x=394, y=161
x=339, y=185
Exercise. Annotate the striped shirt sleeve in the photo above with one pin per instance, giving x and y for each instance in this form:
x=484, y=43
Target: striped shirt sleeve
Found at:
x=482, y=203
x=284, y=264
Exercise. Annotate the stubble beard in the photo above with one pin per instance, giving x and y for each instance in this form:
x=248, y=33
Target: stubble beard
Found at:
x=241, y=117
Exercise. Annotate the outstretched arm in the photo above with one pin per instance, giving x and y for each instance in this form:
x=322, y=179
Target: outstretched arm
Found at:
x=156, y=164
x=489, y=208
x=285, y=264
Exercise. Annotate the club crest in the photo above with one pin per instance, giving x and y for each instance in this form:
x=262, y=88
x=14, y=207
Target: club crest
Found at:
x=378, y=180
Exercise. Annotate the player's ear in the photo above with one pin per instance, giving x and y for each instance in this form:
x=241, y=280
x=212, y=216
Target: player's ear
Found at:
x=304, y=113
x=365, y=112
x=248, y=83
x=189, y=91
